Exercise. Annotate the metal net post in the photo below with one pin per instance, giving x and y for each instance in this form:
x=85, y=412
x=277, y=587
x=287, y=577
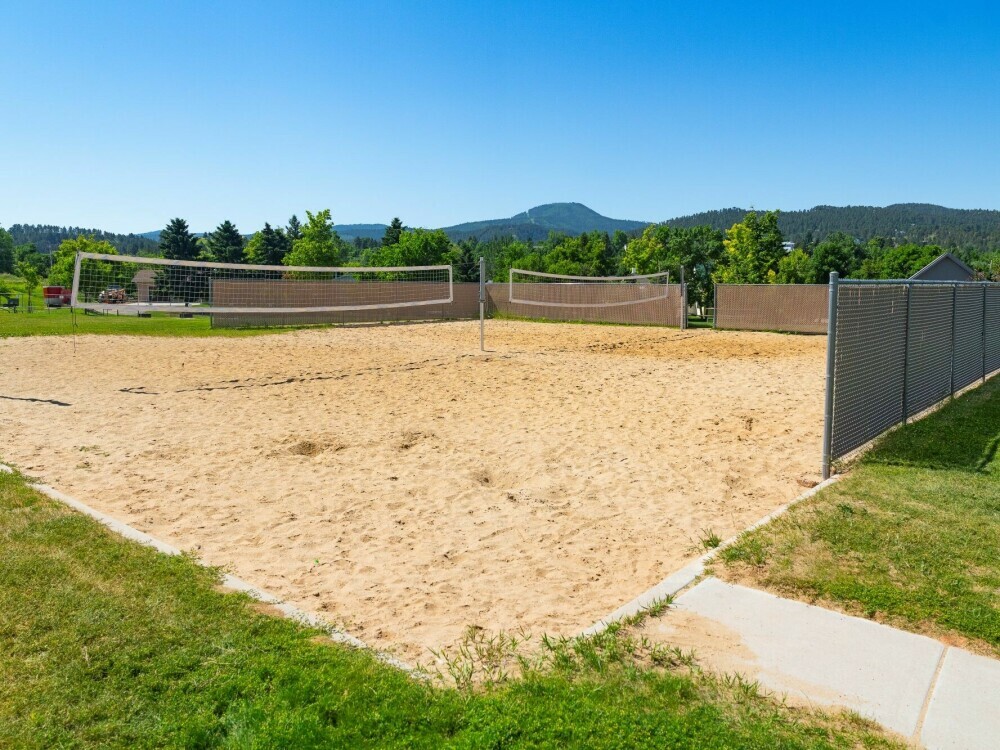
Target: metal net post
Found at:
x=482, y=304
x=684, y=302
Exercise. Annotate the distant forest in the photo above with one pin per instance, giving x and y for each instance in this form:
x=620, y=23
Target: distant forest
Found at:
x=919, y=223
x=46, y=238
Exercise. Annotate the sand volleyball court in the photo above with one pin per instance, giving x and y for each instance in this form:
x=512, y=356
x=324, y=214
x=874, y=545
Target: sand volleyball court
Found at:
x=405, y=485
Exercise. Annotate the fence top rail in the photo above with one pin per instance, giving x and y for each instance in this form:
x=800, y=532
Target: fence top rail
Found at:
x=913, y=282
x=772, y=286
x=250, y=267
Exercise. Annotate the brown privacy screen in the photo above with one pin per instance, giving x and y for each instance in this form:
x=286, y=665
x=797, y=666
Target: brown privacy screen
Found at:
x=902, y=347
x=597, y=302
x=647, y=304
x=465, y=304
x=322, y=293
x=796, y=308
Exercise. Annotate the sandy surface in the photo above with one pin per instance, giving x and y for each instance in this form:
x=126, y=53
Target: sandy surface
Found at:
x=405, y=485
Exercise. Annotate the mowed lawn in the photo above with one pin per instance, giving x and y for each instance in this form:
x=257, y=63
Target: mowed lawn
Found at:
x=105, y=643
x=911, y=537
x=62, y=322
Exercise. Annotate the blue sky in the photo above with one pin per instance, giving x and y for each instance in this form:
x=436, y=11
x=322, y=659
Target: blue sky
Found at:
x=121, y=115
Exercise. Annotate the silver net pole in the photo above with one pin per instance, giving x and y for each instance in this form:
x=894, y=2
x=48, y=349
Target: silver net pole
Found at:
x=482, y=304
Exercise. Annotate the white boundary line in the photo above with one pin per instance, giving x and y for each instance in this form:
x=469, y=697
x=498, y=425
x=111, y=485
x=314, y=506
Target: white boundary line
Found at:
x=681, y=579
x=229, y=581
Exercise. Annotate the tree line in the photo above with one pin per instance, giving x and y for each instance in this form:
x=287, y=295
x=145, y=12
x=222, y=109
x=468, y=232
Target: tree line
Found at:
x=975, y=230
x=751, y=250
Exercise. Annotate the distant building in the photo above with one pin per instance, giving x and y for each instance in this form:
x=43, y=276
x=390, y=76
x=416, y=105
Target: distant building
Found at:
x=789, y=246
x=945, y=267
x=144, y=281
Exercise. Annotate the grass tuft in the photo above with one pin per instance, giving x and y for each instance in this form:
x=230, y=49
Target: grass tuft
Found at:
x=710, y=540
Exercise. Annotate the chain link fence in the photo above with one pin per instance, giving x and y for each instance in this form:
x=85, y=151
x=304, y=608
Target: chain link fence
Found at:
x=790, y=308
x=898, y=348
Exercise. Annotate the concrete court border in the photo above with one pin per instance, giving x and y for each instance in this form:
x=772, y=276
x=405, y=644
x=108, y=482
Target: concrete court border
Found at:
x=287, y=610
x=690, y=573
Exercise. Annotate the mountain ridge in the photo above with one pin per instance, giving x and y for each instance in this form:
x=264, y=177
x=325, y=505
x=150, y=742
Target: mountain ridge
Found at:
x=922, y=223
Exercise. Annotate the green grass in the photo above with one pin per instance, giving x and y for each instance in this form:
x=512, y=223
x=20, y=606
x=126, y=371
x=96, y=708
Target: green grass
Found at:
x=60, y=322
x=911, y=537
x=14, y=285
x=104, y=643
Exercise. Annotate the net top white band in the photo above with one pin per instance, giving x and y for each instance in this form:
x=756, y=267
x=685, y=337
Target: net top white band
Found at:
x=583, y=292
x=664, y=274
x=252, y=267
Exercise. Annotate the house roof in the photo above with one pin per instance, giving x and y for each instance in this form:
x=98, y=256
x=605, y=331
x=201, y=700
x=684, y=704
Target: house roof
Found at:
x=943, y=257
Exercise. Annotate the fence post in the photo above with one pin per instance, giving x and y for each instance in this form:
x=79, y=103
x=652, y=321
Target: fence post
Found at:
x=954, y=329
x=906, y=352
x=831, y=347
x=715, y=306
x=482, y=304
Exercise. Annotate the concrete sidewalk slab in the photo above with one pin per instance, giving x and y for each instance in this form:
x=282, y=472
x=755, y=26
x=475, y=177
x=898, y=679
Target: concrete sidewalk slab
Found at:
x=964, y=711
x=809, y=653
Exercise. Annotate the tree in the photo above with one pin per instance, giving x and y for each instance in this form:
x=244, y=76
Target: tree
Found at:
x=796, y=268
x=177, y=242
x=897, y=262
x=64, y=257
x=465, y=259
x=619, y=240
x=294, y=231
x=268, y=247
x=664, y=248
x=6, y=252
x=392, y=232
x=753, y=248
x=28, y=253
x=29, y=273
x=987, y=266
x=416, y=247
x=838, y=252
x=319, y=244
x=506, y=252
x=225, y=244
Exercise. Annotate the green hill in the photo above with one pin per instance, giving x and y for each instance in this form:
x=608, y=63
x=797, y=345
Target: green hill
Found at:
x=537, y=222
x=47, y=237
x=923, y=223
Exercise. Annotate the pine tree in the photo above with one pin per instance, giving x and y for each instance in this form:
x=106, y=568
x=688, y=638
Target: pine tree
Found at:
x=225, y=244
x=177, y=242
x=392, y=233
x=294, y=231
x=268, y=247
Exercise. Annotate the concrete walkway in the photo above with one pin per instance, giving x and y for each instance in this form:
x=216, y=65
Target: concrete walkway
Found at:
x=939, y=696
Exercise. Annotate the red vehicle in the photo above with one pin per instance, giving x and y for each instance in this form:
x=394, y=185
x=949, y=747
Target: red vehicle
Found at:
x=56, y=296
